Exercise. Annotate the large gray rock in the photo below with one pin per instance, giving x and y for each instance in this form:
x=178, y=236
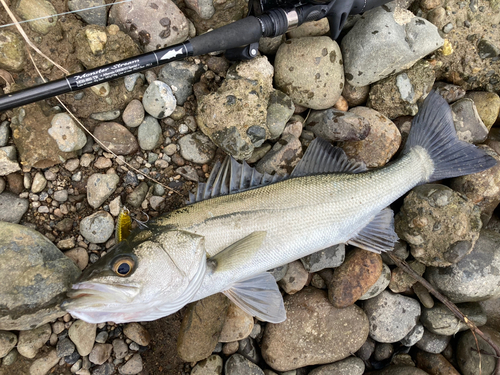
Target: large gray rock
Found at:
x=96, y=16
x=12, y=208
x=441, y=321
x=403, y=43
x=34, y=278
x=312, y=325
x=180, y=76
x=469, y=360
x=468, y=124
x=310, y=71
x=475, y=277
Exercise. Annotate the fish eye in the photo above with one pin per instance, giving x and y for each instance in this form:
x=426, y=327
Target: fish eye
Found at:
x=123, y=266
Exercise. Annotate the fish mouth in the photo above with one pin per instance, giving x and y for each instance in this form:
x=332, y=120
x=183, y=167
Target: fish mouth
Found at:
x=98, y=293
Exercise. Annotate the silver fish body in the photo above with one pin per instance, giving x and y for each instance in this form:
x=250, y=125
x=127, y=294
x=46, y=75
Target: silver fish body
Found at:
x=226, y=243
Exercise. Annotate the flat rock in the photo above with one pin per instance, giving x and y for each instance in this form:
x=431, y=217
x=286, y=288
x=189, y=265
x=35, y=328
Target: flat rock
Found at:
x=238, y=325
x=353, y=278
x=201, y=327
x=404, y=44
x=381, y=143
x=312, y=325
x=32, y=340
x=440, y=225
x=310, y=71
x=330, y=257
x=34, y=278
x=336, y=125
x=67, y=134
x=348, y=366
x=83, y=336
x=116, y=138
x=197, y=148
x=100, y=187
x=391, y=316
x=8, y=164
x=475, y=277
x=12, y=208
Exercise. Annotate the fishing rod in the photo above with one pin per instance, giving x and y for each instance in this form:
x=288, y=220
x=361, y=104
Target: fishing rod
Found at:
x=270, y=18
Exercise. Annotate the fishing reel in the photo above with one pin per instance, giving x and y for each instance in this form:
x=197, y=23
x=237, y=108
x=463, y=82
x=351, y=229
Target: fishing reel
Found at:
x=284, y=15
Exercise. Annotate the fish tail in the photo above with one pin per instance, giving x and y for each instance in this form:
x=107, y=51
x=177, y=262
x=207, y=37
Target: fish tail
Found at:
x=433, y=129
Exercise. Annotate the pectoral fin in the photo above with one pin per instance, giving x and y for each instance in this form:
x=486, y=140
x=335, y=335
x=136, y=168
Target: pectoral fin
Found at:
x=260, y=297
x=239, y=252
x=378, y=235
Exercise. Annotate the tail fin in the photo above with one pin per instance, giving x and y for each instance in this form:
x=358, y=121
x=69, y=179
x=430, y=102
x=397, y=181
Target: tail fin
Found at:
x=432, y=128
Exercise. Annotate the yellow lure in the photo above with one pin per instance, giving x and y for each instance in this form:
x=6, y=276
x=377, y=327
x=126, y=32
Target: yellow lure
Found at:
x=123, y=225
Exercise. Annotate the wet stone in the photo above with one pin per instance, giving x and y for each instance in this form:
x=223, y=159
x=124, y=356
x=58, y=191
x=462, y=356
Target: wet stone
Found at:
x=330, y=257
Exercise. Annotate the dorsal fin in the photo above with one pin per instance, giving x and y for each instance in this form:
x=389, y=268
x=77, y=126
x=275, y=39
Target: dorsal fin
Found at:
x=322, y=157
x=230, y=177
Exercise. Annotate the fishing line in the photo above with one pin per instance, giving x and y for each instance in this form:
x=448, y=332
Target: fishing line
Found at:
x=64, y=13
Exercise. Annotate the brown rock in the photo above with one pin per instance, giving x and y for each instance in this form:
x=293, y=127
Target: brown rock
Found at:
x=315, y=332
x=401, y=281
x=487, y=105
x=434, y=364
x=360, y=270
x=137, y=333
x=355, y=95
x=380, y=145
x=482, y=188
x=117, y=138
x=237, y=326
x=398, y=370
x=201, y=328
x=15, y=181
x=295, y=278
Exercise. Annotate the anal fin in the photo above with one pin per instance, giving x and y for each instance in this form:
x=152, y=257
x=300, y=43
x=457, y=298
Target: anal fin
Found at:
x=378, y=235
x=259, y=296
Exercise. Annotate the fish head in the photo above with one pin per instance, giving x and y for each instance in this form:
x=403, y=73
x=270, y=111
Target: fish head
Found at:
x=139, y=281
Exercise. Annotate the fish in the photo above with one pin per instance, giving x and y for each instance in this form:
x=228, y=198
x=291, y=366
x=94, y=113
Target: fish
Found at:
x=242, y=223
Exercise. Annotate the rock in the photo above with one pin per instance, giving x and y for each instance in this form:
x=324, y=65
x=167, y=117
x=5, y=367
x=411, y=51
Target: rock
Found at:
x=440, y=225
x=133, y=115
x=491, y=308
x=100, y=187
x=414, y=336
x=105, y=369
x=30, y=9
x=31, y=341
x=120, y=348
x=83, y=336
x=130, y=80
x=42, y=276
x=188, y=172
x=65, y=347
x=151, y=25
x=380, y=285
x=279, y=110
x=279, y=272
x=234, y=116
x=95, y=16
x=239, y=365
x=269, y=46
x=310, y=71
x=100, y=353
x=353, y=278
x=12, y=47
x=67, y=134
x=474, y=277
x=43, y=365
x=283, y=157
x=136, y=198
x=441, y=321
x=468, y=124
x=2, y=185
x=405, y=42
x=435, y=364
x=98, y=227
x=348, y=366
x=79, y=256
x=4, y=128
x=313, y=324
x=481, y=188
x=12, y=208
x=117, y=138
x=397, y=95
x=433, y=343
x=401, y=281
x=366, y=350
x=101, y=89
x=391, y=316
x=137, y=333
x=213, y=365
x=8, y=164
x=133, y=365
x=8, y=341
x=237, y=326
x=10, y=358
x=355, y=95
x=381, y=143
x=383, y=351
x=335, y=125
x=201, y=327
x=230, y=348
x=469, y=360
x=249, y=349
x=158, y=100
x=102, y=337
x=180, y=77
x=450, y=93
x=313, y=28
x=295, y=278
x=149, y=133
x=423, y=295
x=35, y=146
x=400, y=370
x=487, y=105
x=197, y=148
x=330, y=257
